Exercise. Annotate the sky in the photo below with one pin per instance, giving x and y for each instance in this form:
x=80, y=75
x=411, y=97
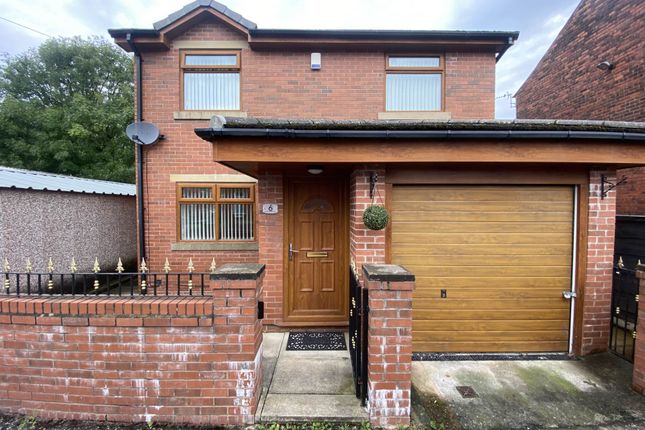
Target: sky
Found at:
x=538, y=22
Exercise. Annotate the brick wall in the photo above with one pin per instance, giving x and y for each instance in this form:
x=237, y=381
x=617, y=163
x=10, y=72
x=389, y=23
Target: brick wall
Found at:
x=567, y=84
x=187, y=360
x=630, y=196
x=270, y=236
x=365, y=246
x=600, y=257
x=389, y=374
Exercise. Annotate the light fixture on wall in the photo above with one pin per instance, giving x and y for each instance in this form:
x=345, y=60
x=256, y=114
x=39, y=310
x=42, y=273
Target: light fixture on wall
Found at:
x=605, y=65
x=315, y=169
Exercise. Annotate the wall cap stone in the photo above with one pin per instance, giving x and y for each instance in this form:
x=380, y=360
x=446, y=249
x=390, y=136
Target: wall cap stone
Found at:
x=238, y=271
x=387, y=273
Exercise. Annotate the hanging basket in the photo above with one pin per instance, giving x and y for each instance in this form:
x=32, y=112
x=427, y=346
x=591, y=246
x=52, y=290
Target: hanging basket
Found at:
x=376, y=217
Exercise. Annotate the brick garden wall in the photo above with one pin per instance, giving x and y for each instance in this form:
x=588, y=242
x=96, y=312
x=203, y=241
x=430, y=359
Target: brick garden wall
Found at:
x=188, y=360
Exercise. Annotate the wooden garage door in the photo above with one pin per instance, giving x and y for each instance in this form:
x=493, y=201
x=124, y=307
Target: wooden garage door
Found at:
x=503, y=256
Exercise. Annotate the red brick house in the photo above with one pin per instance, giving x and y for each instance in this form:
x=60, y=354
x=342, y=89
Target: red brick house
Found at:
x=595, y=70
x=495, y=218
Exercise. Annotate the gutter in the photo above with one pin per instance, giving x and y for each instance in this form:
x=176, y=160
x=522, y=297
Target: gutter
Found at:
x=139, y=117
x=210, y=133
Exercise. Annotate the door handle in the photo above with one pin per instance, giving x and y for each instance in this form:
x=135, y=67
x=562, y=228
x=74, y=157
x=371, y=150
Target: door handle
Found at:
x=569, y=295
x=292, y=251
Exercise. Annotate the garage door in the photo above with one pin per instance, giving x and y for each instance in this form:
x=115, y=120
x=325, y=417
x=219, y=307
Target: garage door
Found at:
x=500, y=256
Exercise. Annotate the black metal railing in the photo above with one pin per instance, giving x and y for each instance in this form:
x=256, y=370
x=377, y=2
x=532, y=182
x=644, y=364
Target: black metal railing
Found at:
x=120, y=284
x=624, y=312
x=358, y=325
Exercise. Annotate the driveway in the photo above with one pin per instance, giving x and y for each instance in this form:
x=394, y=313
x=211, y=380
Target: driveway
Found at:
x=590, y=393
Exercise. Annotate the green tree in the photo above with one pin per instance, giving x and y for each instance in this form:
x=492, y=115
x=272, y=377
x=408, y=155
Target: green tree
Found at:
x=64, y=107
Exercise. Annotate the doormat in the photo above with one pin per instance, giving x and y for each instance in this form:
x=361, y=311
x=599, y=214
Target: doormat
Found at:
x=316, y=341
x=433, y=356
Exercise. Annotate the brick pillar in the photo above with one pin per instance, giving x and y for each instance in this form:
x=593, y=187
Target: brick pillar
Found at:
x=638, y=377
x=601, y=225
x=366, y=246
x=270, y=238
x=236, y=292
x=389, y=354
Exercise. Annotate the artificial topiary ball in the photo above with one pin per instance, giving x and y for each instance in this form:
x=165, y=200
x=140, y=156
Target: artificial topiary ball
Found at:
x=376, y=217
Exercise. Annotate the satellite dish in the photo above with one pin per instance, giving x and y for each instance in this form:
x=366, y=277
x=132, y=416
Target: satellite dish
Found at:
x=142, y=133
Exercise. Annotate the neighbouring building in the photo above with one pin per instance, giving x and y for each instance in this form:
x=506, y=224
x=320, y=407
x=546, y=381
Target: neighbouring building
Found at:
x=595, y=70
x=44, y=215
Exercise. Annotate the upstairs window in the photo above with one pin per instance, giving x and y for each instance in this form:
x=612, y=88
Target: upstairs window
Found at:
x=414, y=83
x=211, y=80
x=216, y=212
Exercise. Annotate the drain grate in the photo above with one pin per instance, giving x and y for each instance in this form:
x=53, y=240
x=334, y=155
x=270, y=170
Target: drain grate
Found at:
x=467, y=392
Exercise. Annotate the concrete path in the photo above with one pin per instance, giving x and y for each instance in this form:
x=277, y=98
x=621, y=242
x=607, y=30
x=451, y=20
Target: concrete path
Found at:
x=591, y=393
x=301, y=386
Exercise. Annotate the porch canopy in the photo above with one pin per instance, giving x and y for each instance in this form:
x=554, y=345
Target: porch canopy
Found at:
x=246, y=143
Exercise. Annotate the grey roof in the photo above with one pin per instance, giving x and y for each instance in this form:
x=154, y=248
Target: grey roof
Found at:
x=42, y=181
x=204, y=3
x=518, y=128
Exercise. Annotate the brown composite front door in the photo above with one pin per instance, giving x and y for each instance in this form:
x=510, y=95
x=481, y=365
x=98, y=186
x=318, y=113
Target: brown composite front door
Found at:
x=316, y=248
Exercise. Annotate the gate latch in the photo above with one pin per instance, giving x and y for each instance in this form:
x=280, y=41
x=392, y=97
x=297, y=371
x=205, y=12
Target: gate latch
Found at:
x=569, y=295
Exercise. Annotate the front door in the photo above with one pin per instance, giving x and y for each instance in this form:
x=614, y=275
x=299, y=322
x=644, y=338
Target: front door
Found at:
x=317, y=267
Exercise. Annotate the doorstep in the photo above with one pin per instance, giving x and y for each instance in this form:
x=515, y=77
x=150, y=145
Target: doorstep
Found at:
x=302, y=386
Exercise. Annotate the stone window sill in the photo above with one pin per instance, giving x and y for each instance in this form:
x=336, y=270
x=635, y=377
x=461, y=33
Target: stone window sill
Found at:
x=206, y=114
x=415, y=115
x=214, y=246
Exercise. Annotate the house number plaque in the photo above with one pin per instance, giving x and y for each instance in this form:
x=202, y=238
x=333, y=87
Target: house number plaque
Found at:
x=270, y=208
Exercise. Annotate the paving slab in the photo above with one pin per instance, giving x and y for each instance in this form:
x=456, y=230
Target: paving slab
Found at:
x=593, y=392
x=312, y=407
x=271, y=347
x=303, y=386
x=299, y=374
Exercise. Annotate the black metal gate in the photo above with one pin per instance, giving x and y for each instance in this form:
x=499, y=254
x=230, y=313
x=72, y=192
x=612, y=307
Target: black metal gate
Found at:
x=624, y=312
x=358, y=317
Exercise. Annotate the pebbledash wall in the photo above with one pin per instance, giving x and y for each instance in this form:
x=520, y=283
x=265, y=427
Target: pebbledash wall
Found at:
x=40, y=225
x=351, y=85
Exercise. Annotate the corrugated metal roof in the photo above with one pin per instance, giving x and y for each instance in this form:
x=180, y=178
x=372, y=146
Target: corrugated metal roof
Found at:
x=42, y=181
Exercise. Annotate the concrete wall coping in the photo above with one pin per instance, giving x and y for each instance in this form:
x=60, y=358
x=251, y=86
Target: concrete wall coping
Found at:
x=387, y=273
x=238, y=271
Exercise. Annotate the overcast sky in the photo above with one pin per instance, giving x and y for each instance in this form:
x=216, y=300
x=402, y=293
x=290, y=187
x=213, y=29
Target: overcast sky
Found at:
x=538, y=21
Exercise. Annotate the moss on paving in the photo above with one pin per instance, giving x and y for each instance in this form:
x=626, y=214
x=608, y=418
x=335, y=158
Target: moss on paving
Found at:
x=432, y=413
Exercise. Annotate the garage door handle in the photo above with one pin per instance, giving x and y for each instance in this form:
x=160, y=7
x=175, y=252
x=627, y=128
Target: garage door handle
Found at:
x=569, y=295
